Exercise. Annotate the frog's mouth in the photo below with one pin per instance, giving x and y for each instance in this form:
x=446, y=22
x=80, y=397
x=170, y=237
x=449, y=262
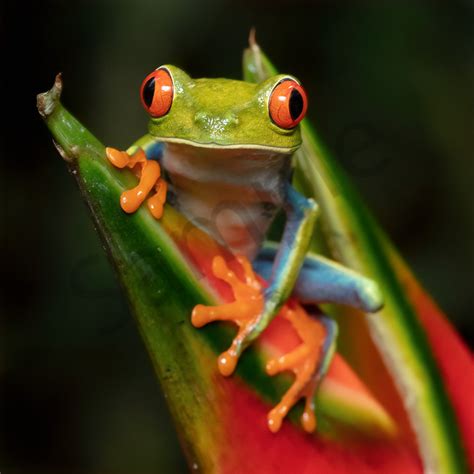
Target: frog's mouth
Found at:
x=234, y=146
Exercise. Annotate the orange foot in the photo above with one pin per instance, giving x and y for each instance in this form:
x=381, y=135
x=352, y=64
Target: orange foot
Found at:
x=244, y=311
x=304, y=363
x=149, y=173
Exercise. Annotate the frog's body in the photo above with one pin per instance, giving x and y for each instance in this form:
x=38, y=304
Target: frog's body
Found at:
x=232, y=194
x=225, y=148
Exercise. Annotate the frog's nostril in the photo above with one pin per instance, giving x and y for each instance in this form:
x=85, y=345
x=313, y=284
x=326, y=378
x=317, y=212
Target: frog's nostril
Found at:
x=233, y=119
x=201, y=117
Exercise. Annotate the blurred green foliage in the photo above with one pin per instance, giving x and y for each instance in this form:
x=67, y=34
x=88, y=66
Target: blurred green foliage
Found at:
x=390, y=90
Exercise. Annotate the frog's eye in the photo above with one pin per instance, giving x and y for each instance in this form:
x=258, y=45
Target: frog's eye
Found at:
x=288, y=103
x=157, y=92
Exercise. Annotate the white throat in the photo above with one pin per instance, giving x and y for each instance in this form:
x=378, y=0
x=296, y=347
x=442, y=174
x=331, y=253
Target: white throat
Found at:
x=232, y=194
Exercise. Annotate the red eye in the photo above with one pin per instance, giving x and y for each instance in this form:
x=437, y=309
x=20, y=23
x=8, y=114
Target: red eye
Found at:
x=288, y=104
x=157, y=92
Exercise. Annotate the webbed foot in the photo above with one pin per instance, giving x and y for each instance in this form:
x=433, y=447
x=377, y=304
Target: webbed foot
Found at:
x=308, y=362
x=244, y=311
x=149, y=173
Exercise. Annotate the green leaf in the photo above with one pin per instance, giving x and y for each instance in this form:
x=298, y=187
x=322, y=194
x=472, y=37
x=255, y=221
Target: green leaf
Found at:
x=162, y=286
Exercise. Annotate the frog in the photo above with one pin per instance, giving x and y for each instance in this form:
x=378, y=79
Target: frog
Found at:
x=221, y=152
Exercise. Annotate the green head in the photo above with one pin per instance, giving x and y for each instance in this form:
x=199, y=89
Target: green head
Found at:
x=220, y=113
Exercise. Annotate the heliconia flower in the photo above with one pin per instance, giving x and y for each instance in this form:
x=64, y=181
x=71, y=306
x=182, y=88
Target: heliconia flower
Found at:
x=398, y=395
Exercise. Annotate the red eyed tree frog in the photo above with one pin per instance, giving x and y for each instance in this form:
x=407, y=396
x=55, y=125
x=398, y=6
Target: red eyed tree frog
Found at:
x=220, y=152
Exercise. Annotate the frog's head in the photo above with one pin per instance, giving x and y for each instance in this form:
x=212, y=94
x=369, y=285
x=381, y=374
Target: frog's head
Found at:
x=224, y=113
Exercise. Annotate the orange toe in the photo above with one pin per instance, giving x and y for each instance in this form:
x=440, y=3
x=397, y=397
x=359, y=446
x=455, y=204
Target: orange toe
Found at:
x=118, y=158
x=157, y=201
x=275, y=418
x=227, y=362
x=272, y=367
x=200, y=316
x=308, y=420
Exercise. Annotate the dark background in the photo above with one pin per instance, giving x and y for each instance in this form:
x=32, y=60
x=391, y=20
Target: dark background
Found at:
x=391, y=92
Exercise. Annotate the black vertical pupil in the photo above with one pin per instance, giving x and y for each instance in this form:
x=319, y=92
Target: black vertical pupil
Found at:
x=296, y=104
x=149, y=91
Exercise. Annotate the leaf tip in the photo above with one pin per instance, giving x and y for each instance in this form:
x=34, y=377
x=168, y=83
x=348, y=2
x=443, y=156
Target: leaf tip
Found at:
x=252, y=40
x=46, y=101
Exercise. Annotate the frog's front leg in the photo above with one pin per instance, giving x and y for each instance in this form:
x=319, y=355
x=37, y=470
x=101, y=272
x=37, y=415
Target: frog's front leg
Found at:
x=149, y=173
x=249, y=302
x=252, y=319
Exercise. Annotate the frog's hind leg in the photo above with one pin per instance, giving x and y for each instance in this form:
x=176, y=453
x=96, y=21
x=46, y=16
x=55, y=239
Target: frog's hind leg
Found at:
x=320, y=281
x=324, y=281
x=309, y=362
